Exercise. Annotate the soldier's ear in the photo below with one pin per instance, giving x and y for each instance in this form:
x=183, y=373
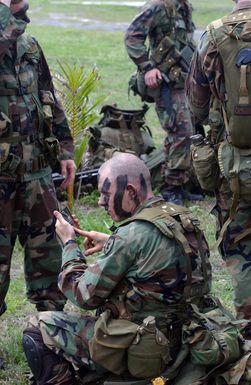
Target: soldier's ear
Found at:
x=132, y=191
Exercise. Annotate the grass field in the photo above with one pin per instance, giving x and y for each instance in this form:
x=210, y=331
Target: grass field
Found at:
x=105, y=50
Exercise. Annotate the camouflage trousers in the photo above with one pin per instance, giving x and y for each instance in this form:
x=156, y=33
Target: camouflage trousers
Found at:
x=26, y=212
x=175, y=119
x=236, y=253
x=67, y=334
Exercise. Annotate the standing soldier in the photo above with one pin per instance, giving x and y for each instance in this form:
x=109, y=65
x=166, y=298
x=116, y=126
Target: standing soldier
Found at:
x=219, y=85
x=33, y=132
x=169, y=28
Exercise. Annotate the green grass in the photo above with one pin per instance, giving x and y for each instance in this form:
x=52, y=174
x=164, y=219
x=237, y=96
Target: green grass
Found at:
x=106, y=51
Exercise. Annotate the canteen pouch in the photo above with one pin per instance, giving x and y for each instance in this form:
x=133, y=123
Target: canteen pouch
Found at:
x=149, y=352
x=205, y=166
x=110, y=341
x=4, y=123
x=8, y=162
x=213, y=337
x=235, y=165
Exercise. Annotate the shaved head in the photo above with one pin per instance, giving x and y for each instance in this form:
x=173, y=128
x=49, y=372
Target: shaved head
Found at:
x=124, y=183
x=127, y=164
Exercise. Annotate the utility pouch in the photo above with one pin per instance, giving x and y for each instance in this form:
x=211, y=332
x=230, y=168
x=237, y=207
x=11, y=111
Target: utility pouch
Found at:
x=213, y=337
x=149, y=352
x=205, y=164
x=8, y=162
x=162, y=50
x=4, y=123
x=52, y=147
x=111, y=339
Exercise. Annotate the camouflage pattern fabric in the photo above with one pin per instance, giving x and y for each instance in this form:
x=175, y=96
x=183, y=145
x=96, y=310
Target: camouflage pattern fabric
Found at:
x=153, y=23
x=27, y=199
x=147, y=274
x=205, y=79
x=26, y=211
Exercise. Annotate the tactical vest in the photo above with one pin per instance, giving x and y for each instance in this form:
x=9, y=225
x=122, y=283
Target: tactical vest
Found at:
x=177, y=222
x=174, y=52
x=118, y=130
x=25, y=110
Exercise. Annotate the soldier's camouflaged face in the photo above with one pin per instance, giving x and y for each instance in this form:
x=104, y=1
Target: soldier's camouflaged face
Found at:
x=114, y=196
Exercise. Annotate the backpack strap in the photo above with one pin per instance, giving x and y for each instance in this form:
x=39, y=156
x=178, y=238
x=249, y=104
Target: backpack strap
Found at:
x=166, y=217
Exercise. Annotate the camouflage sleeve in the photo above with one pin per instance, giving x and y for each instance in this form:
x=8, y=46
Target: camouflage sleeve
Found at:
x=204, y=79
x=88, y=286
x=10, y=29
x=138, y=31
x=60, y=126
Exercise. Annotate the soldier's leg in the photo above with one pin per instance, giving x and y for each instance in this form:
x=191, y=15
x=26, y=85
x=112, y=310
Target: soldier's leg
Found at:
x=178, y=126
x=42, y=249
x=10, y=208
x=66, y=335
x=237, y=254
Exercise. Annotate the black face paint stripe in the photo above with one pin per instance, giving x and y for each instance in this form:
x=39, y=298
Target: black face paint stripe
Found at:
x=105, y=189
x=143, y=186
x=121, y=181
x=106, y=185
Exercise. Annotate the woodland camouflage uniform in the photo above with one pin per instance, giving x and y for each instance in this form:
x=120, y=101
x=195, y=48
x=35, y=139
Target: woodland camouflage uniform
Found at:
x=160, y=18
x=140, y=272
x=205, y=82
x=27, y=194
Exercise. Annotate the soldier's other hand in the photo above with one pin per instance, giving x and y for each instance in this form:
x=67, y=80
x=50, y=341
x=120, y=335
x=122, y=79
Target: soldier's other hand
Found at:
x=68, y=169
x=64, y=230
x=94, y=240
x=152, y=78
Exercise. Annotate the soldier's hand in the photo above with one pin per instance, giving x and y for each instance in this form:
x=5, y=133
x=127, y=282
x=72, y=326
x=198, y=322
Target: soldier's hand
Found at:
x=152, y=78
x=68, y=169
x=94, y=240
x=64, y=230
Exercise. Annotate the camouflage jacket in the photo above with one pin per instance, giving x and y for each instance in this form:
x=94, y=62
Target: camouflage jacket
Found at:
x=141, y=270
x=25, y=81
x=156, y=21
x=206, y=77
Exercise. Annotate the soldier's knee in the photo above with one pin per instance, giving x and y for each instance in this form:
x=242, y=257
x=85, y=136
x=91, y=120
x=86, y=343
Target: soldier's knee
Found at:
x=43, y=362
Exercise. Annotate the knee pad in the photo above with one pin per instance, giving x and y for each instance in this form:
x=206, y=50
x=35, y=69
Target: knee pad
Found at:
x=32, y=351
x=3, y=308
x=43, y=361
